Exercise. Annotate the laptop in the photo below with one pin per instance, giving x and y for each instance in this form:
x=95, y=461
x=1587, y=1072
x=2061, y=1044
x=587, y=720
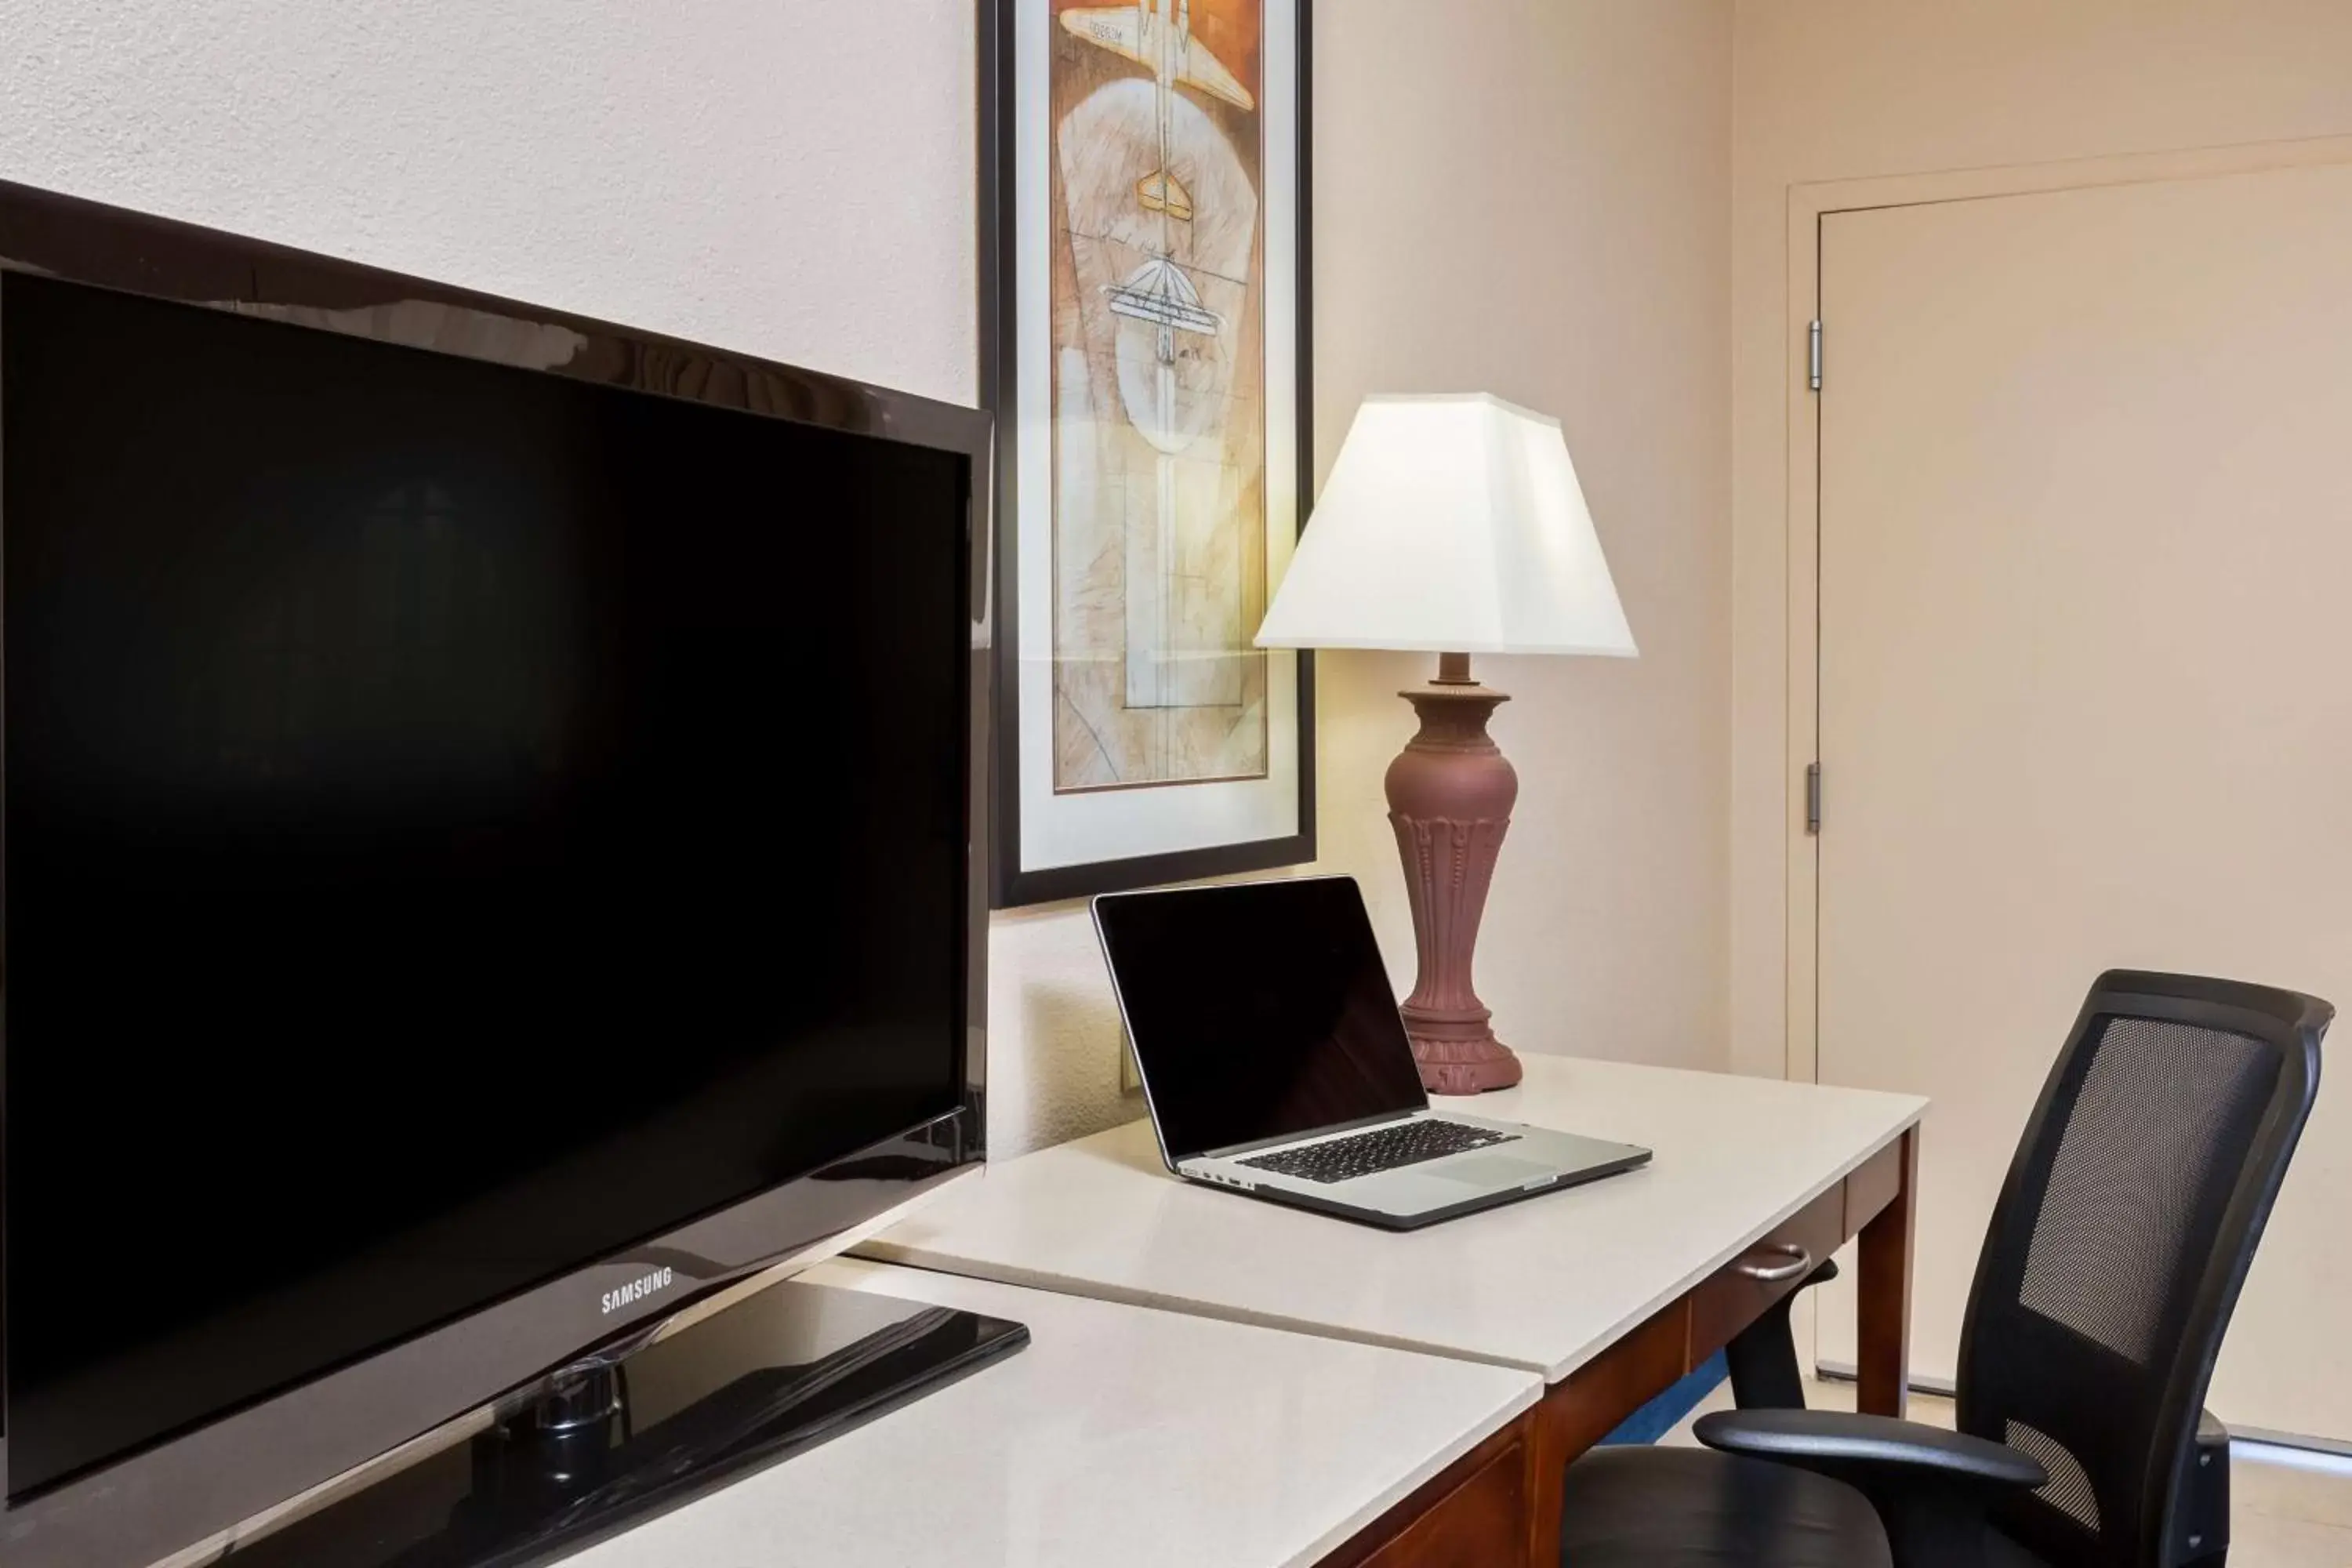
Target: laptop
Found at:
x=1275, y=1065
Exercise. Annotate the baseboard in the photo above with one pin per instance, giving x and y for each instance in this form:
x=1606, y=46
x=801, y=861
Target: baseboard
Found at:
x=2328, y=1456
x=1842, y=1372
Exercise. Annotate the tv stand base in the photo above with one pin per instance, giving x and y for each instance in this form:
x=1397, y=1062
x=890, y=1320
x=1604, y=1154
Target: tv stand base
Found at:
x=607, y=1442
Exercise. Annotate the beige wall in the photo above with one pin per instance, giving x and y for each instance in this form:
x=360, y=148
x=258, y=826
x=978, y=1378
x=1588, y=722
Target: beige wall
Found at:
x=1828, y=90
x=1573, y=203
x=1527, y=195
x=1531, y=197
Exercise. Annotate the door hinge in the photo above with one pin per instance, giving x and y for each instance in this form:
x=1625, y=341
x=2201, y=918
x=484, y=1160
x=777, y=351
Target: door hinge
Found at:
x=1814, y=797
x=1814, y=356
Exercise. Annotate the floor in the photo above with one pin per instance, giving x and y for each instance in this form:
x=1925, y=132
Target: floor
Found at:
x=2281, y=1515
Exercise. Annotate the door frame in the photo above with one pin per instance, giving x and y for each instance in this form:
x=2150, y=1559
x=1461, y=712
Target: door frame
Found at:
x=1809, y=205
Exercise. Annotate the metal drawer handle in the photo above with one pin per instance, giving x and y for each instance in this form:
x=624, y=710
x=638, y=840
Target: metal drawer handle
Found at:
x=1799, y=1262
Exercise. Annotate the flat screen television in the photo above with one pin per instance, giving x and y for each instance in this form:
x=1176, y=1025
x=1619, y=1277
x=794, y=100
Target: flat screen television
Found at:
x=489, y=816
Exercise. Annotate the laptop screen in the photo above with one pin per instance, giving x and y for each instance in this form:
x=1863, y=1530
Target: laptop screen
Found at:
x=1259, y=1011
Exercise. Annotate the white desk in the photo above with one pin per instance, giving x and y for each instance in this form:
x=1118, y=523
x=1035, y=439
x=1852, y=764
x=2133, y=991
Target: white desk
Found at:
x=1609, y=1291
x=1118, y=1436
x=1546, y=1284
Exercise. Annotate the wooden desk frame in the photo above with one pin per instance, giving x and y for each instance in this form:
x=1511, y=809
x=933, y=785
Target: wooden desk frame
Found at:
x=1500, y=1503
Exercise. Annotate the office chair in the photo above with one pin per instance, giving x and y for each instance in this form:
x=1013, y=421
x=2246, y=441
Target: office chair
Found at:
x=2113, y=1262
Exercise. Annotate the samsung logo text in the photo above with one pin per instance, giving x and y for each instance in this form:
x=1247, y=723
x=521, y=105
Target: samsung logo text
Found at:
x=637, y=1289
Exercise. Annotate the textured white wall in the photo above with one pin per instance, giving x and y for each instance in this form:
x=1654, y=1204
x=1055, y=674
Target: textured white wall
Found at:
x=1053, y=1033
x=792, y=178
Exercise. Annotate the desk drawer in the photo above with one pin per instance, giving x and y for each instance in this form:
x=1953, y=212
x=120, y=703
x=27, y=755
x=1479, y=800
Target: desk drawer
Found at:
x=1481, y=1523
x=1471, y=1515
x=1733, y=1298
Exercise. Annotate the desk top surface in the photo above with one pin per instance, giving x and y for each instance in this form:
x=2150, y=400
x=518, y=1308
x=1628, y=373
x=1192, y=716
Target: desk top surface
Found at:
x=1119, y=1434
x=1545, y=1284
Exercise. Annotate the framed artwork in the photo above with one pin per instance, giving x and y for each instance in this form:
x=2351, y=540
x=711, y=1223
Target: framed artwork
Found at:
x=1146, y=349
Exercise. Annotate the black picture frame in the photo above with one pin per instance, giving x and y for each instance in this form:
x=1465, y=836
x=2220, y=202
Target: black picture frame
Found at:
x=1011, y=884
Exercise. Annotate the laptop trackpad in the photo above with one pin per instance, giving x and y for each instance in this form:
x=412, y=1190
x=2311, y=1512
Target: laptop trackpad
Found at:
x=1492, y=1170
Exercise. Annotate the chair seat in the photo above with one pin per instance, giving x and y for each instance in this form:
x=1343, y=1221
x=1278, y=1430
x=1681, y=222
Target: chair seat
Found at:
x=1694, y=1508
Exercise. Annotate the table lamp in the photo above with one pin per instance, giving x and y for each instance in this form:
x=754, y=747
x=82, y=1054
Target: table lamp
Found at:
x=1454, y=525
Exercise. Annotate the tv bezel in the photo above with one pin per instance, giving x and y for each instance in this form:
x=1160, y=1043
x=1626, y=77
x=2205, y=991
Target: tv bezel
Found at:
x=190, y=1486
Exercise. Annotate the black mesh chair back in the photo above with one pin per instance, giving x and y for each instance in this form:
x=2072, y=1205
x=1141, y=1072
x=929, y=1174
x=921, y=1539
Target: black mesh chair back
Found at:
x=2116, y=1255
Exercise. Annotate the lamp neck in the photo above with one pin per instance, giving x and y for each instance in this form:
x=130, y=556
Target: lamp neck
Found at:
x=1453, y=710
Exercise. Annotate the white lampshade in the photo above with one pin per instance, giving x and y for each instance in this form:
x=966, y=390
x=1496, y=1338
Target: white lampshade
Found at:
x=1453, y=524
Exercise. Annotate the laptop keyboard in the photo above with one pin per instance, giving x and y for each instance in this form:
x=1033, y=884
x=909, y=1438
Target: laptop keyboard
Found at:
x=1383, y=1149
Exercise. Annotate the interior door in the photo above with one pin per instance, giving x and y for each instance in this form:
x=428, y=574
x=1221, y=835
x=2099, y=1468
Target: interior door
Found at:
x=2085, y=699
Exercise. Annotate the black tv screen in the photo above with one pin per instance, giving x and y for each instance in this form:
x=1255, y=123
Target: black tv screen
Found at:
x=459, y=822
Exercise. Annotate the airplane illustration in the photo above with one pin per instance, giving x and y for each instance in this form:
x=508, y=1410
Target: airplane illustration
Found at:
x=1147, y=34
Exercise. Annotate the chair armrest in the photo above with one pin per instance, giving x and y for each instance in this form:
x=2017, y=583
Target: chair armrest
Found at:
x=1880, y=1442
x=1763, y=1357
x=1931, y=1486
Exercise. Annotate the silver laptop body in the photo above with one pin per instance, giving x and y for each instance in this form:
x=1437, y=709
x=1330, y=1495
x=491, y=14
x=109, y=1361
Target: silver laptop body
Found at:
x=1275, y=1065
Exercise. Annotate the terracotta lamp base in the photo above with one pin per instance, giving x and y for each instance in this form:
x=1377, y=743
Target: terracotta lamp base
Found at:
x=1450, y=797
